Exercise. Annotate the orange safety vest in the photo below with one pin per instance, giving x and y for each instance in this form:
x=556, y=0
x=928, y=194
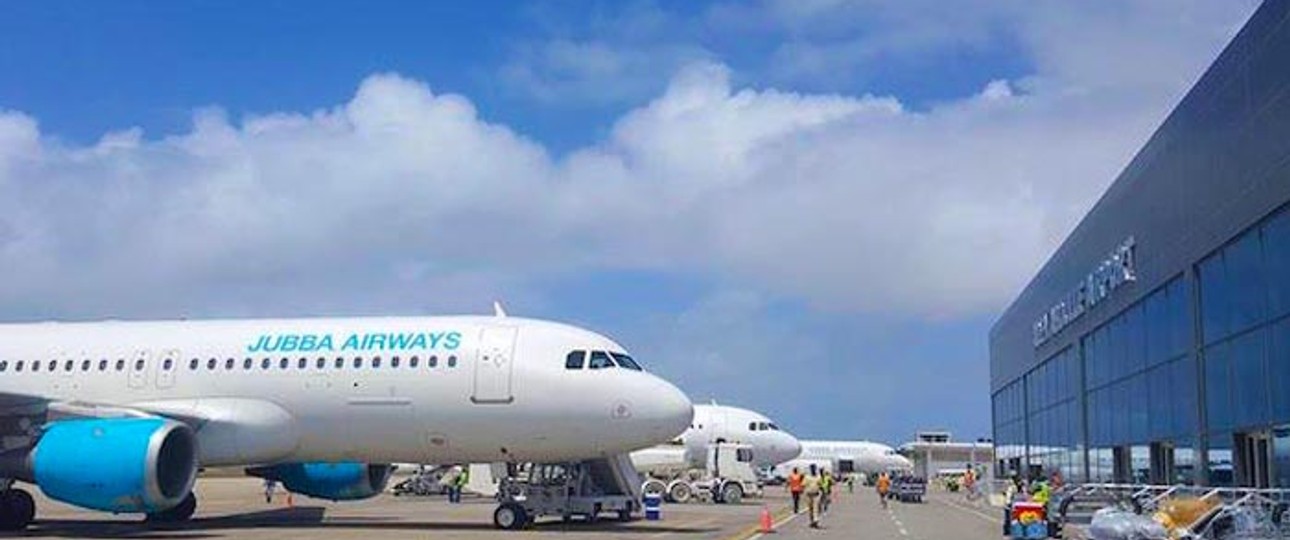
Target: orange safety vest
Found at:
x=795, y=482
x=884, y=484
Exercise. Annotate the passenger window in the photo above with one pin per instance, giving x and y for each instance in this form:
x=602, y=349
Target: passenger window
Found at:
x=35, y=365
x=120, y=364
x=228, y=364
x=575, y=360
x=138, y=365
x=600, y=360
x=302, y=363
x=394, y=362
x=626, y=362
x=433, y=361
x=4, y=365
x=53, y=365
x=103, y=364
x=283, y=363
x=67, y=366
x=194, y=363
x=340, y=363
x=376, y=362
x=265, y=363
x=85, y=365
x=322, y=362
x=167, y=364
x=247, y=363
x=210, y=364
x=17, y=366
x=414, y=362
x=452, y=361
x=358, y=362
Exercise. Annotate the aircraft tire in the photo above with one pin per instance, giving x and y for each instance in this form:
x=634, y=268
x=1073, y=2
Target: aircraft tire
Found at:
x=17, y=509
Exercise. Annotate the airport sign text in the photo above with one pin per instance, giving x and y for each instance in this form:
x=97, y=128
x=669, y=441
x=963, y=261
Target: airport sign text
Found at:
x=1119, y=268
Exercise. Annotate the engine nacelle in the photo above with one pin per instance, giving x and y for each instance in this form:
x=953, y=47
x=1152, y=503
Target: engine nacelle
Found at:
x=116, y=464
x=346, y=481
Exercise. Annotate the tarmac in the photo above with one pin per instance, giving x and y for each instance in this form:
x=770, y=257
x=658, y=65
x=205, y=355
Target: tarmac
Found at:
x=235, y=508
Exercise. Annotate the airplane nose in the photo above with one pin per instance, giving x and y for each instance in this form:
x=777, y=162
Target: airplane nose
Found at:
x=794, y=448
x=668, y=410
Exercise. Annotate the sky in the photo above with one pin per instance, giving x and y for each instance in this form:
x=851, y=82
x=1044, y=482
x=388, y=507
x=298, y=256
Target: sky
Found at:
x=811, y=208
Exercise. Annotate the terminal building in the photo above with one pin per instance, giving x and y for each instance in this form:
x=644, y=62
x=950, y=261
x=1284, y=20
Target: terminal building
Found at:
x=934, y=454
x=1154, y=346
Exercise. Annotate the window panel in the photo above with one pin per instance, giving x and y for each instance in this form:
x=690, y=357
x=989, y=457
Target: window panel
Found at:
x=1218, y=405
x=1249, y=379
x=1156, y=324
x=1246, y=283
x=1183, y=390
x=1276, y=254
x=1180, y=333
x=1213, y=298
x=1279, y=370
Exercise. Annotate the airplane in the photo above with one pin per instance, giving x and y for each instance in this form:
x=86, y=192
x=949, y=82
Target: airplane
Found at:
x=844, y=457
x=722, y=423
x=120, y=416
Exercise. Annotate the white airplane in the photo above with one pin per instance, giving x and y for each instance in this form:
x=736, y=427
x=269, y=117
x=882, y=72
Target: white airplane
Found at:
x=119, y=416
x=842, y=457
x=722, y=423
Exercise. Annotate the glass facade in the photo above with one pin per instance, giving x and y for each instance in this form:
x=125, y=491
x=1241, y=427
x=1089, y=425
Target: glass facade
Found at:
x=1134, y=378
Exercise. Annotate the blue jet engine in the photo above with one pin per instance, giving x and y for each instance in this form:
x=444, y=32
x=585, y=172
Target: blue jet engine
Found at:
x=116, y=464
x=345, y=481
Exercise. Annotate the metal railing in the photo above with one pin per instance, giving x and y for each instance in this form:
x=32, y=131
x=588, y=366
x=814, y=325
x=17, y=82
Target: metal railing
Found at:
x=1268, y=506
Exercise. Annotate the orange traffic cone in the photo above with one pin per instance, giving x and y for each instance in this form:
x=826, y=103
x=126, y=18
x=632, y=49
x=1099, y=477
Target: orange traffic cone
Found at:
x=767, y=523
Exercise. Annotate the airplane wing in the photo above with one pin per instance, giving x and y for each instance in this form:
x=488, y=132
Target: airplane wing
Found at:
x=229, y=430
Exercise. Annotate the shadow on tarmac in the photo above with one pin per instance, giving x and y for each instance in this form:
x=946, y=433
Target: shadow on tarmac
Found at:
x=308, y=517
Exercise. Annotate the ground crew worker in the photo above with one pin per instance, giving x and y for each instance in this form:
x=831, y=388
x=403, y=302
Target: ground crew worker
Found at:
x=811, y=488
x=462, y=480
x=884, y=487
x=826, y=491
x=851, y=483
x=795, y=479
x=269, y=486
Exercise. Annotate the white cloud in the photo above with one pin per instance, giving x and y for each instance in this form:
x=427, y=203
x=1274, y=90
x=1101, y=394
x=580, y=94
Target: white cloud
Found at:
x=406, y=199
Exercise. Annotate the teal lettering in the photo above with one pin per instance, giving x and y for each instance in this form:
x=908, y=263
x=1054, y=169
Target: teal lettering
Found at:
x=351, y=343
x=434, y=339
x=453, y=341
x=399, y=341
x=289, y=342
x=418, y=342
x=308, y=342
x=325, y=343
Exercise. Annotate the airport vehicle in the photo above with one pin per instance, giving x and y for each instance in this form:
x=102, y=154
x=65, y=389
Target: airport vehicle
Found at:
x=909, y=488
x=846, y=457
x=584, y=489
x=717, y=424
x=726, y=477
x=119, y=416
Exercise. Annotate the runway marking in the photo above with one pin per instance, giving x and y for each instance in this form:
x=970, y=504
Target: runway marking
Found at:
x=899, y=526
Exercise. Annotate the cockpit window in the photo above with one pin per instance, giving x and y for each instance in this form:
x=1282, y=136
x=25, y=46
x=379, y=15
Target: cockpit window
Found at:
x=752, y=426
x=773, y=427
x=763, y=426
x=600, y=360
x=575, y=360
x=625, y=361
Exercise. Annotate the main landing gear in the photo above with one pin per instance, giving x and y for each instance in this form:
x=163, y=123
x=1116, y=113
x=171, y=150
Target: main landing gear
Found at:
x=17, y=509
x=179, y=513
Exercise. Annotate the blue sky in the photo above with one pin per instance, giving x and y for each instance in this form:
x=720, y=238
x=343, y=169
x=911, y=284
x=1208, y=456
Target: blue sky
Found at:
x=813, y=208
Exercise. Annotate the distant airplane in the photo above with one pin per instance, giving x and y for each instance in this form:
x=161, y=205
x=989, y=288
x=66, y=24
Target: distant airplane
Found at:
x=843, y=457
x=119, y=416
x=722, y=423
